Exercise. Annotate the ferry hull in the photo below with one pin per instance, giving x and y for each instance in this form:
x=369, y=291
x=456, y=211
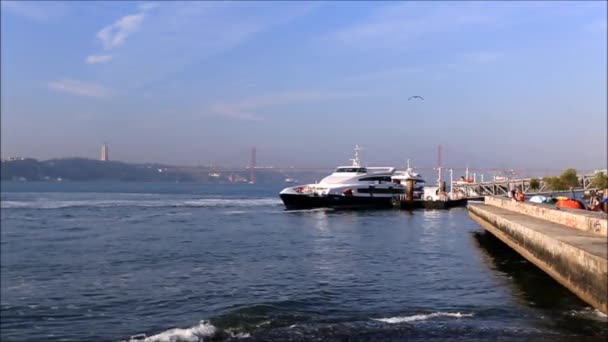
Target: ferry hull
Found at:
x=301, y=201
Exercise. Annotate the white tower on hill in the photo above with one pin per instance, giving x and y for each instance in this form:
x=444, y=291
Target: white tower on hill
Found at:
x=104, y=152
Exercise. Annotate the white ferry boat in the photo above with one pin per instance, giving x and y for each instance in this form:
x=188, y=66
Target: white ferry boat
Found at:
x=353, y=186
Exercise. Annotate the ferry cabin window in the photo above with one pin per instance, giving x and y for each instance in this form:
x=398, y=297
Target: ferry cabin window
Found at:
x=376, y=179
x=352, y=169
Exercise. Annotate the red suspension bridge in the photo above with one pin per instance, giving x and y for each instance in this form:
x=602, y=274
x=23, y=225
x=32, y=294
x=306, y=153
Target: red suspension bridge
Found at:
x=477, y=173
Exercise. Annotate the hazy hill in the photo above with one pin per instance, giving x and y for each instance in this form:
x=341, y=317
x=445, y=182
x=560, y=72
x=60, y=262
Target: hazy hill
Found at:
x=81, y=169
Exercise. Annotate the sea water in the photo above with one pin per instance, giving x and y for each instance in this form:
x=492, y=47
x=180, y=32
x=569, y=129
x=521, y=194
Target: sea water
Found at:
x=192, y=262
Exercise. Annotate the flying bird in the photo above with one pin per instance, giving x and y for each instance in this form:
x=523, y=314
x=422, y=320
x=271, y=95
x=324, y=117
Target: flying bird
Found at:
x=415, y=97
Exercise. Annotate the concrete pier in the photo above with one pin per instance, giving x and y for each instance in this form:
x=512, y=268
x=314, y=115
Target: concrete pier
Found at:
x=569, y=245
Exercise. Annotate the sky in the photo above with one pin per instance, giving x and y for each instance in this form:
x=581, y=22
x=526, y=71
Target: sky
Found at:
x=505, y=84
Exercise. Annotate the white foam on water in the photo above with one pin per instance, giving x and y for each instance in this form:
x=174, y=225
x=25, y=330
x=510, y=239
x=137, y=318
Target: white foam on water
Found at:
x=205, y=202
x=234, y=212
x=589, y=313
x=266, y=322
x=233, y=202
x=13, y=204
x=422, y=317
x=240, y=335
x=197, y=333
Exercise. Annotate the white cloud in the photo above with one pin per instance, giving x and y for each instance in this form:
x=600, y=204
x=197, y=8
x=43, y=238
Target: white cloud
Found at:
x=115, y=34
x=79, y=88
x=98, y=59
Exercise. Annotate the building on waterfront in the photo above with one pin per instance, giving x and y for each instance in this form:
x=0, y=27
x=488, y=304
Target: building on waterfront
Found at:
x=14, y=159
x=104, y=152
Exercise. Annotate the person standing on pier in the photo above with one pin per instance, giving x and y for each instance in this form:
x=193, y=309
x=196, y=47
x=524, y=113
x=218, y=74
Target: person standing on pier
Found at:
x=511, y=190
x=519, y=196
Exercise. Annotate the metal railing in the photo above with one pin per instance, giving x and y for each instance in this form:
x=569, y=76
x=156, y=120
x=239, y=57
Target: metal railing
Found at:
x=502, y=187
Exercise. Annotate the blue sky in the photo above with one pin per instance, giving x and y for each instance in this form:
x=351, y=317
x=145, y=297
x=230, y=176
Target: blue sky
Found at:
x=506, y=84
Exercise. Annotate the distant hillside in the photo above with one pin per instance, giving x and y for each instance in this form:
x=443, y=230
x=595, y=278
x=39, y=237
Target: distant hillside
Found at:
x=80, y=169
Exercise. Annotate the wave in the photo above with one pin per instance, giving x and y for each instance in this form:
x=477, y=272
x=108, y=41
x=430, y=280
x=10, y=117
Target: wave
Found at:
x=422, y=317
x=287, y=330
x=198, y=333
x=188, y=203
x=589, y=313
x=193, y=334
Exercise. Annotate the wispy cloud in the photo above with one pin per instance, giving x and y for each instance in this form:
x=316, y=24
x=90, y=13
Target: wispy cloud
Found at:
x=115, y=34
x=235, y=112
x=98, y=59
x=249, y=109
x=79, y=88
x=383, y=74
x=35, y=10
x=244, y=84
x=189, y=32
x=400, y=25
x=147, y=6
x=394, y=25
x=482, y=56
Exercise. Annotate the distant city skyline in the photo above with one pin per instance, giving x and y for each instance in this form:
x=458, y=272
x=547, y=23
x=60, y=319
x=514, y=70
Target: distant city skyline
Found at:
x=505, y=84
x=459, y=170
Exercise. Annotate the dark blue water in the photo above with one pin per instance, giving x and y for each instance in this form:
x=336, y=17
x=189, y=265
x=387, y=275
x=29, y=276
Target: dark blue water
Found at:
x=186, y=262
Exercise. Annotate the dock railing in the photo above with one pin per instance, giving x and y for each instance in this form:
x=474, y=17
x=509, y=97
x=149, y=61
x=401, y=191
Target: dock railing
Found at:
x=502, y=187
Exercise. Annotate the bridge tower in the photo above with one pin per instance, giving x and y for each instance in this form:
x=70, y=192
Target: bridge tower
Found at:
x=439, y=165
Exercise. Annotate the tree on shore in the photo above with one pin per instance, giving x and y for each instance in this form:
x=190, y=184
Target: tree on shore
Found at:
x=600, y=181
x=534, y=183
x=567, y=179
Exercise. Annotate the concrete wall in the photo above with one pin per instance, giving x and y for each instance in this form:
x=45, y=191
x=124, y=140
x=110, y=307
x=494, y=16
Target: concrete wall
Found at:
x=583, y=273
x=594, y=222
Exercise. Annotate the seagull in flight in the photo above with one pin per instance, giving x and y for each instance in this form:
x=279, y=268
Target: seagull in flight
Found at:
x=415, y=97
